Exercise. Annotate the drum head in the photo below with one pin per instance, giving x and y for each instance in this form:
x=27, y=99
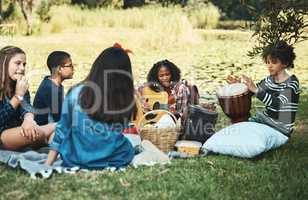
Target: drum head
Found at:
x=232, y=90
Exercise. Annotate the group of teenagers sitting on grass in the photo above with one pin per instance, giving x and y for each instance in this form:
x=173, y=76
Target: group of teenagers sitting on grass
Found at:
x=86, y=126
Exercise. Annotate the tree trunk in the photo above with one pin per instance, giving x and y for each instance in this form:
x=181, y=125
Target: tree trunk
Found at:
x=26, y=9
x=0, y=11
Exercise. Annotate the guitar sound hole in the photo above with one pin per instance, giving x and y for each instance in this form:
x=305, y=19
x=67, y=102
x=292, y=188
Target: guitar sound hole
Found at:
x=150, y=116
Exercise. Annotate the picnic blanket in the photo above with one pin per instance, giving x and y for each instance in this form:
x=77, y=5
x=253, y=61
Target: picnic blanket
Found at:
x=32, y=162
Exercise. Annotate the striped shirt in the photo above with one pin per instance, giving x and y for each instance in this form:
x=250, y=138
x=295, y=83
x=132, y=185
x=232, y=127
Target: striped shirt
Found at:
x=281, y=101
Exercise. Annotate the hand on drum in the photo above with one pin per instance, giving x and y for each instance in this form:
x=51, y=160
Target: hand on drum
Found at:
x=233, y=79
x=249, y=83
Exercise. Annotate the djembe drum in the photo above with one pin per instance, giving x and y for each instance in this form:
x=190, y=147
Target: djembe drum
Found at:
x=235, y=101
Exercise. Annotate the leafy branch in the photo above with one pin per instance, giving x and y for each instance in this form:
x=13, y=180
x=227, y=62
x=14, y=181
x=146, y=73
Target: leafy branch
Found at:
x=279, y=20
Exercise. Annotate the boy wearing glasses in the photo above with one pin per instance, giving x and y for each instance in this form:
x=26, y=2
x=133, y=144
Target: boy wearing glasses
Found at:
x=50, y=94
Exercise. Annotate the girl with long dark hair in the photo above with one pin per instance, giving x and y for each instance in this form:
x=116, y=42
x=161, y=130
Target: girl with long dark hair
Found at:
x=94, y=114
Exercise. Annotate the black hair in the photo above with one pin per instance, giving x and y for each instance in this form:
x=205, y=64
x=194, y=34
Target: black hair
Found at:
x=152, y=77
x=55, y=59
x=111, y=73
x=282, y=51
x=7, y=87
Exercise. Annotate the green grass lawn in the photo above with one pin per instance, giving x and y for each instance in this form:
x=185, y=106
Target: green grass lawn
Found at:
x=278, y=174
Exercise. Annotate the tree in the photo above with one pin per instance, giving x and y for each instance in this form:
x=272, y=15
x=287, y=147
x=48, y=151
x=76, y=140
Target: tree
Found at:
x=5, y=13
x=26, y=9
x=279, y=20
x=0, y=10
x=235, y=10
x=1, y=17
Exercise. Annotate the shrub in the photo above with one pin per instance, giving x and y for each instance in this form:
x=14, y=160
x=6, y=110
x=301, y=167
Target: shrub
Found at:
x=99, y=3
x=168, y=27
x=59, y=2
x=43, y=10
x=161, y=26
x=203, y=15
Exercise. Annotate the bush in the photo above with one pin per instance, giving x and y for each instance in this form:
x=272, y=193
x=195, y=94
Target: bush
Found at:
x=43, y=10
x=169, y=2
x=161, y=26
x=203, y=15
x=12, y=14
x=6, y=13
x=168, y=27
x=99, y=3
x=105, y=17
x=59, y=2
x=76, y=16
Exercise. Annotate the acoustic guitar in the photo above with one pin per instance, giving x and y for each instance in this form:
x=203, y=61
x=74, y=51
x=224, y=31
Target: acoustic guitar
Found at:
x=155, y=100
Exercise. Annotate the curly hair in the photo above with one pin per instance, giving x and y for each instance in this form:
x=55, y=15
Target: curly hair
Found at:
x=152, y=77
x=282, y=51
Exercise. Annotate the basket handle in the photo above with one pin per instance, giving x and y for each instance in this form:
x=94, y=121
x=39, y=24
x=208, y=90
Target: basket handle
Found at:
x=143, y=118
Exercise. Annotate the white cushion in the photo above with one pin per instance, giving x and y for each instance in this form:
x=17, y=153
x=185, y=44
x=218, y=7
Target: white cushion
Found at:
x=245, y=139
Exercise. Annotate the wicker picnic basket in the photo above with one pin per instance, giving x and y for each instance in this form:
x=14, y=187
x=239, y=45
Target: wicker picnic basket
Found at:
x=163, y=138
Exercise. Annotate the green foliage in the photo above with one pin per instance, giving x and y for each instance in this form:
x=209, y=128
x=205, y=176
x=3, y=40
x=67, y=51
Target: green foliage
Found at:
x=170, y=2
x=115, y=3
x=56, y=2
x=156, y=22
x=59, y=2
x=12, y=12
x=279, y=20
x=234, y=10
x=43, y=10
x=99, y=3
x=8, y=11
x=202, y=14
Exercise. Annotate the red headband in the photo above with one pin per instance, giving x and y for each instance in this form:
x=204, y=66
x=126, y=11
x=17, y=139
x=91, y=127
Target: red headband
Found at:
x=117, y=45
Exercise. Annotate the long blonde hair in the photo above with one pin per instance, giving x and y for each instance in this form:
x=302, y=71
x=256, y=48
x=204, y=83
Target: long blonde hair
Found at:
x=6, y=84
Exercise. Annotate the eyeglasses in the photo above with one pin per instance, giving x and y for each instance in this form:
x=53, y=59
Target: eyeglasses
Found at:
x=68, y=65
